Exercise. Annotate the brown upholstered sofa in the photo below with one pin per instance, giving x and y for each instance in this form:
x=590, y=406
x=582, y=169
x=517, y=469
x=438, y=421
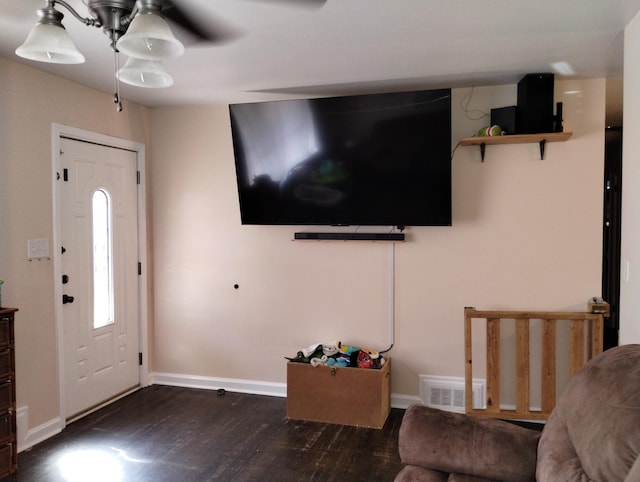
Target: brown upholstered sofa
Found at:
x=593, y=434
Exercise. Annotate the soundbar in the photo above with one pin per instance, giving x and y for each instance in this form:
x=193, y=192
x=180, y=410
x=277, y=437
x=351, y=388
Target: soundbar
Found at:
x=350, y=236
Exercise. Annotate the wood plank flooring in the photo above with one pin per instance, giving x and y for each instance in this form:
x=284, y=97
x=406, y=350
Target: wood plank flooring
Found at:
x=160, y=434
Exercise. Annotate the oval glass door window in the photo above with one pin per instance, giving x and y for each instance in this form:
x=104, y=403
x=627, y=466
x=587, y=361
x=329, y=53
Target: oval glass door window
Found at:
x=103, y=304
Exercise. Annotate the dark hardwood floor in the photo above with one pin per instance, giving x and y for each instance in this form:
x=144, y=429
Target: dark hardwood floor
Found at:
x=186, y=435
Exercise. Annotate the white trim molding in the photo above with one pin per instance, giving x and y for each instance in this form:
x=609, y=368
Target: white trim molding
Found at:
x=40, y=433
x=214, y=383
x=254, y=387
x=59, y=131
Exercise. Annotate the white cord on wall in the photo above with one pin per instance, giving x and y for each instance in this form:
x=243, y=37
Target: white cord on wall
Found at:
x=392, y=295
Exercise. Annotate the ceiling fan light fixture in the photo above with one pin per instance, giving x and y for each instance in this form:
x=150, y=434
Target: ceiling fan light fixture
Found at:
x=145, y=73
x=149, y=37
x=49, y=41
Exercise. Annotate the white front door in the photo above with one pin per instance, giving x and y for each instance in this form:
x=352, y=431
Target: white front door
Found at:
x=99, y=264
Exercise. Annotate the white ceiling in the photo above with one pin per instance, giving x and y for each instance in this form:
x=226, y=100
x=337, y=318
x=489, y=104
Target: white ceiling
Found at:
x=350, y=46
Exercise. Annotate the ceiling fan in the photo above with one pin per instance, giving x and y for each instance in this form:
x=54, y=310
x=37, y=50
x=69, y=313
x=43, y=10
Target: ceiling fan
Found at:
x=138, y=28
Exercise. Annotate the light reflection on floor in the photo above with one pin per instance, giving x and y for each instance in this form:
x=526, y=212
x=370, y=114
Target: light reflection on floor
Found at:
x=96, y=465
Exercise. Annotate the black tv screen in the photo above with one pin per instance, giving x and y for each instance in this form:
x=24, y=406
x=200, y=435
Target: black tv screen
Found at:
x=376, y=159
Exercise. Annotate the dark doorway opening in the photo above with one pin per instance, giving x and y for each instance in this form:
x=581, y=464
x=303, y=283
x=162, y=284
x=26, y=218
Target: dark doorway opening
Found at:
x=611, y=232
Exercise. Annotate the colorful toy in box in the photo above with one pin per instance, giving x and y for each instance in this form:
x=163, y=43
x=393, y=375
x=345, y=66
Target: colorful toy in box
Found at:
x=364, y=360
x=336, y=354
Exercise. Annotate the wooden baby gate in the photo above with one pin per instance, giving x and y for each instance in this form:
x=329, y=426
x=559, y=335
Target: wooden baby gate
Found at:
x=584, y=339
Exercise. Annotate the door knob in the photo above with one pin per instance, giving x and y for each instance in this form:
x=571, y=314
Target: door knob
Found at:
x=67, y=299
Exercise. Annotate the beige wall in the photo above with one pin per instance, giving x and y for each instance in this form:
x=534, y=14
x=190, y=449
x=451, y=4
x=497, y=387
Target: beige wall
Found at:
x=30, y=101
x=630, y=250
x=526, y=234
x=535, y=224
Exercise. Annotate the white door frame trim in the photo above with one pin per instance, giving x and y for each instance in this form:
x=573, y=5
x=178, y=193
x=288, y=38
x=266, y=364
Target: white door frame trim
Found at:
x=57, y=132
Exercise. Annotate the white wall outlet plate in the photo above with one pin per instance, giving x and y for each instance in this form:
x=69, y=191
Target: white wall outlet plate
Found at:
x=38, y=249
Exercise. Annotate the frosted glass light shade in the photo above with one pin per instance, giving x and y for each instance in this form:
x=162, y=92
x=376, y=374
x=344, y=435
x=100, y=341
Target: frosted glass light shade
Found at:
x=145, y=73
x=50, y=43
x=149, y=37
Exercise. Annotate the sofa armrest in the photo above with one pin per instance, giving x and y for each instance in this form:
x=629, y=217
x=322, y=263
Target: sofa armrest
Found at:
x=458, y=443
x=413, y=473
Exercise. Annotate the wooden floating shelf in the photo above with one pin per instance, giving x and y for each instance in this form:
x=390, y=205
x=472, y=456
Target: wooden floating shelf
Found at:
x=516, y=139
x=542, y=139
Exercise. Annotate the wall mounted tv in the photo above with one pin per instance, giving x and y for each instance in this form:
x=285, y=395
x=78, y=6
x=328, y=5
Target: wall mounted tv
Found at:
x=376, y=160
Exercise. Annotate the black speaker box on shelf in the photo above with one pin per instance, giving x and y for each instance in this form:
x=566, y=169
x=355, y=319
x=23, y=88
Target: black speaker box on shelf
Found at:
x=535, y=104
x=505, y=117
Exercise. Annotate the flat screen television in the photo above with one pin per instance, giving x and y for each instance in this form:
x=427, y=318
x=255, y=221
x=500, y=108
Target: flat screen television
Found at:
x=375, y=159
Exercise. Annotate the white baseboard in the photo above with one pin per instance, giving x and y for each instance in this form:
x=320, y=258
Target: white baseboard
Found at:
x=215, y=383
x=403, y=401
x=22, y=426
x=37, y=434
x=249, y=386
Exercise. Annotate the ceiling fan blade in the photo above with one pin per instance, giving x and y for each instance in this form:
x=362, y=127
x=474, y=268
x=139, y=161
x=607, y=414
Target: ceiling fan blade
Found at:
x=192, y=28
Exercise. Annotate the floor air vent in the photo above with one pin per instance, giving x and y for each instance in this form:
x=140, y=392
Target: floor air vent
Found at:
x=447, y=393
